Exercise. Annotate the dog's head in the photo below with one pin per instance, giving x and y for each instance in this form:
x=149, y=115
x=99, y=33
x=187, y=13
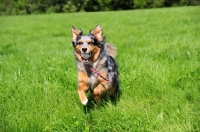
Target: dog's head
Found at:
x=87, y=47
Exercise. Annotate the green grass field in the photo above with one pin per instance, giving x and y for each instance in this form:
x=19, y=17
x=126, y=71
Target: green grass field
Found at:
x=159, y=65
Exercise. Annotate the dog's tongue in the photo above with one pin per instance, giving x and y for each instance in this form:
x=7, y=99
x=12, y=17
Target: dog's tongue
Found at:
x=85, y=60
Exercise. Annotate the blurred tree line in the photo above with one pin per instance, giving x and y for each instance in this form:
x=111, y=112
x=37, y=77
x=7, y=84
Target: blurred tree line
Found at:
x=16, y=7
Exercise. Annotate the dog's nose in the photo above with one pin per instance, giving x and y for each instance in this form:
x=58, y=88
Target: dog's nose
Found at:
x=84, y=49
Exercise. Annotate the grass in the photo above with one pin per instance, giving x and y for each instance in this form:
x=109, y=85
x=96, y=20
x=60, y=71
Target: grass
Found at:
x=159, y=65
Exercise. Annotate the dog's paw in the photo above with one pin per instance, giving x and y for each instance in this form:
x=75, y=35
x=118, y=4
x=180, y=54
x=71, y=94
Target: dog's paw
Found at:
x=85, y=102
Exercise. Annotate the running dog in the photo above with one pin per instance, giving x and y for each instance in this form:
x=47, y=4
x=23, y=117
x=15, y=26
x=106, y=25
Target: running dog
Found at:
x=97, y=69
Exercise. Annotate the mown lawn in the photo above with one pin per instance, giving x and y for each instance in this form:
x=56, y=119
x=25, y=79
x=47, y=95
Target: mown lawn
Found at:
x=159, y=65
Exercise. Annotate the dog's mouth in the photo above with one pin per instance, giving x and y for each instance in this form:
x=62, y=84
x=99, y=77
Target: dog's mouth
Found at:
x=85, y=57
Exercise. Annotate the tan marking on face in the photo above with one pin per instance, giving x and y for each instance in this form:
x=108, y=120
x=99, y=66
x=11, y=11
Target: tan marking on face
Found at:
x=88, y=41
x=78, y=52
x=95, y=52
x=81, y=40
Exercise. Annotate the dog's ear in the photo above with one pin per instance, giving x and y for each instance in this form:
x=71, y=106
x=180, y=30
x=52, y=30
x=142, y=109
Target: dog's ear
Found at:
x=97, y=32
x=75, y=33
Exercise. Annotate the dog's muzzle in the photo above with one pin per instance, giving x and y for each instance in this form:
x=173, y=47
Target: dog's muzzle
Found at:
x=85, y=57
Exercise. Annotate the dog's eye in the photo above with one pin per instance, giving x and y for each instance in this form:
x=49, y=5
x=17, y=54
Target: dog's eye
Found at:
x=90, y=43
x=79, y=43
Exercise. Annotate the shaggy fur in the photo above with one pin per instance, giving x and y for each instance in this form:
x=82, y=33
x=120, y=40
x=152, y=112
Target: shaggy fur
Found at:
x=97, y=69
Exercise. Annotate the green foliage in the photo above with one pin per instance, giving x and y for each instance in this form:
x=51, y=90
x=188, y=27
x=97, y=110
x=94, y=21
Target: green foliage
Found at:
x=96, y=5
x=139, y=3
x=69, y=7
x=155, y=3
x=159, y=66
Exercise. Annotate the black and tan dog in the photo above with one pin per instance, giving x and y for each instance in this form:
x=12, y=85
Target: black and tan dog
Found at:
x=97, y=69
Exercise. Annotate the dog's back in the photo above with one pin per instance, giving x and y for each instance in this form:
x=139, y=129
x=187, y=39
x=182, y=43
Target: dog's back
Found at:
x=111, y=50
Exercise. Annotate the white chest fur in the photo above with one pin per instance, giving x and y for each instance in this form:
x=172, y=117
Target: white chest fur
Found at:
x=93, y=81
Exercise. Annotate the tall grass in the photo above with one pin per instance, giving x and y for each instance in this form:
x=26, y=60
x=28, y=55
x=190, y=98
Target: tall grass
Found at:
x=159, y=65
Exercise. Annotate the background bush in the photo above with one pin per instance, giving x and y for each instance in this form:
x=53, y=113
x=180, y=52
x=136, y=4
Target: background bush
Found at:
x=17, y=7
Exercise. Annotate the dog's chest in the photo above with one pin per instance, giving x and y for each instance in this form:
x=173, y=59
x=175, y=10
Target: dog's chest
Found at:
x=93, y=81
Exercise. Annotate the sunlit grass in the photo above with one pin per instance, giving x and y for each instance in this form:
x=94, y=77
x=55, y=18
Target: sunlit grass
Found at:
x=159, y=65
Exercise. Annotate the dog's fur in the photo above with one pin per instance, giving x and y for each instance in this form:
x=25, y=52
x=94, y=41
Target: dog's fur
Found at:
x=101, y=60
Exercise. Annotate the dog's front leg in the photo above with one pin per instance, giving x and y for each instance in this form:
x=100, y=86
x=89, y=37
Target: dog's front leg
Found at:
x=100, y=90
x=83, y=87
x=103, y=86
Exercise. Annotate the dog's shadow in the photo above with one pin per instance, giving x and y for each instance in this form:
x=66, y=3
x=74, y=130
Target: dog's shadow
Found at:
x=103, y=102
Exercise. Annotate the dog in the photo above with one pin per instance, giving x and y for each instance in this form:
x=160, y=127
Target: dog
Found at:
x=97, y=68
